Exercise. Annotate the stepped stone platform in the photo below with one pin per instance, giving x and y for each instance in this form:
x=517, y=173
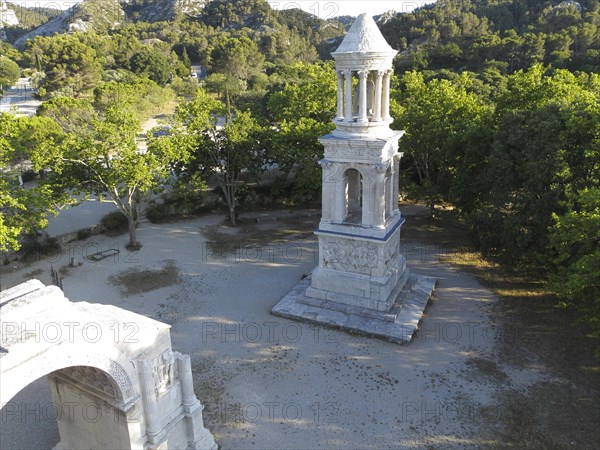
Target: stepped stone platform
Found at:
x=398, y=325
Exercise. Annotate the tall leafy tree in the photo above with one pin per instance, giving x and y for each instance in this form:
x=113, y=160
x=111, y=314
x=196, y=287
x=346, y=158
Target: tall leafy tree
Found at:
x=24, y=210
x=9, y=72
x=440, y=117
x=575, y=237
x=545, y=144
x=70, y=64
x=233, y=153
x=302, y=105
x=237, y=58
x=152, y=63
x=106, y=162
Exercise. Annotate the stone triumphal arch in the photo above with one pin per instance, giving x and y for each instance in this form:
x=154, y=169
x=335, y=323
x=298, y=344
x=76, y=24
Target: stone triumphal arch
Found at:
x=112, y=373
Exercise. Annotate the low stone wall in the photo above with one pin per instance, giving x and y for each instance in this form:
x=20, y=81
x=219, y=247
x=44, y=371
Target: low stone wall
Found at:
x=62, y=239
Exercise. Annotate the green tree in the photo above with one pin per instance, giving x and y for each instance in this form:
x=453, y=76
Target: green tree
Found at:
x=153, y=64
x=226, y=87
x=70, y=64
x=185, y=59
x=238, y=58
x=575, y=237
x=106, y=162
x=545, y=144
x=302, y=105
x=439, y=116
x=233, y=153
x=24, y=210
x=9, y=72
x=72, y=114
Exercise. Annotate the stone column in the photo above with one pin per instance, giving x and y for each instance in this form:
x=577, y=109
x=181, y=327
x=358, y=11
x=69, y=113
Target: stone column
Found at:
x=385, y=96
x=339, y=205
x=189, y=399
x=377, y=96
x=348, y=99
x=362, y=96
x=340, y=96
x=396, y=184
x=389, y=195
x=329, y=191
x=153, y=427
x=377, y=207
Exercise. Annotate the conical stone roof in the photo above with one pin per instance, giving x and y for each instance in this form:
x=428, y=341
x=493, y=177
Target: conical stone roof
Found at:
x=364, y=37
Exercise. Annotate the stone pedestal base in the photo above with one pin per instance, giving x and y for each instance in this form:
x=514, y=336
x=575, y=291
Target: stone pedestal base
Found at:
x=397, y=325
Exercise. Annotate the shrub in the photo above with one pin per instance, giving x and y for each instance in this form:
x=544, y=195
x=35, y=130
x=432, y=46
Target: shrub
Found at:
x=158, y=213
x=115, y=223
x=36, y=246
x=84, y=233
x=187, y=197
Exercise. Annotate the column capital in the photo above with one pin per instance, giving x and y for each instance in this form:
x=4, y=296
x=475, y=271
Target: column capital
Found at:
x=380, y=168
x=326, y=164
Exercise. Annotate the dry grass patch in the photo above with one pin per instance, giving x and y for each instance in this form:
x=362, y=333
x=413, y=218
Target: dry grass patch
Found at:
x=138, y=281
x=224, y=239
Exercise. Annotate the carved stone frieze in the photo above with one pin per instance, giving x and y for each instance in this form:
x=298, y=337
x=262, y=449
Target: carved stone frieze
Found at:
x=92, y=378
x=163, y=371
x=350, y=256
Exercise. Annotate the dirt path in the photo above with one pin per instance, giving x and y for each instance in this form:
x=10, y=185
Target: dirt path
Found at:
x=268, y=382
x=19, y=99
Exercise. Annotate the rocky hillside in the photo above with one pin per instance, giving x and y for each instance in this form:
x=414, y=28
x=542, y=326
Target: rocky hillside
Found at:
x=155, y=11
x=89, y=15
x=16, y=20
x=102, y=15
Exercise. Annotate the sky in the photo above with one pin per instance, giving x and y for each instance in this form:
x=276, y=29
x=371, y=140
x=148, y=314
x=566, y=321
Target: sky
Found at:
x=325, y=9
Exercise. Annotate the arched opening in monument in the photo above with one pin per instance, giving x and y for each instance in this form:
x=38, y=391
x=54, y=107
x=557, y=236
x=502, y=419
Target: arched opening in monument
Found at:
x=389, y=193
x=74, y=407
x=29, y=418
x=98, y=419
x=371, y=95
x=353, y=196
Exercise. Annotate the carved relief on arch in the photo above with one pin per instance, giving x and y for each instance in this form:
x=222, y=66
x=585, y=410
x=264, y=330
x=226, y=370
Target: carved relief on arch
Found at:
x=117, y=373
x=93, y=379
x=104, y=378
x=164, y=372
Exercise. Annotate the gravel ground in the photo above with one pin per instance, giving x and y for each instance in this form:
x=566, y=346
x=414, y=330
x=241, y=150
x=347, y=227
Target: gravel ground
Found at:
x=267, y=382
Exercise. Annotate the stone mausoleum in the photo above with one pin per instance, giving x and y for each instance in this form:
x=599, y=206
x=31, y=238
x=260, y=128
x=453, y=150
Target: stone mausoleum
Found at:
x=361, y=282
